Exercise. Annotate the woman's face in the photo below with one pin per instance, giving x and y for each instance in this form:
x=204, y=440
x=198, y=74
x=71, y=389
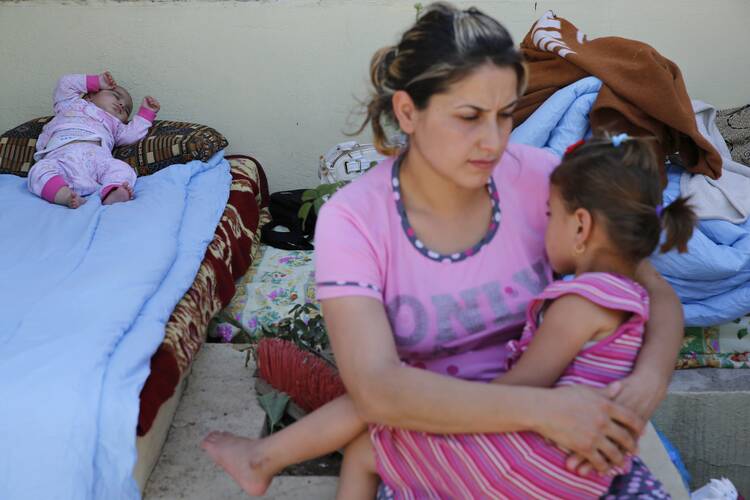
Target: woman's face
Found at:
x=463, y=132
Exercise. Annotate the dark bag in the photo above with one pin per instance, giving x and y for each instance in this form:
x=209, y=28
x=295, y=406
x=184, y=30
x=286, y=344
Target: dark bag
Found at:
x=285, y=230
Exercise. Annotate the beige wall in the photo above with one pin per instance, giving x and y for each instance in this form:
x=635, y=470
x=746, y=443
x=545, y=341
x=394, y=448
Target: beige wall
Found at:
x=279, y=78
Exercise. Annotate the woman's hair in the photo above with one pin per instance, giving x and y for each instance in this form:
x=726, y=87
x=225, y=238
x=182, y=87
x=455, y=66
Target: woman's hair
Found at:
x=444, y=46
x=617, y=179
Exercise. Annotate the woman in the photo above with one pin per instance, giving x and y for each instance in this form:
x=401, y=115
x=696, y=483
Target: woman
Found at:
x=429, y=261
x=426, y=264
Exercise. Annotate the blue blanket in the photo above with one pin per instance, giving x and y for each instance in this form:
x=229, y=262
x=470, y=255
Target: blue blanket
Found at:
x=713, y=278
x=563, y=118
x=84, y=297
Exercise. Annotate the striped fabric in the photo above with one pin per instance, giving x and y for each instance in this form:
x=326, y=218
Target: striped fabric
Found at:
x=416, y=465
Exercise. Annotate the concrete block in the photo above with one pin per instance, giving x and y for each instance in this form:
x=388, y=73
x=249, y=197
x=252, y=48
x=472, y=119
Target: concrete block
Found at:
x=705, y=415
x=220, y=395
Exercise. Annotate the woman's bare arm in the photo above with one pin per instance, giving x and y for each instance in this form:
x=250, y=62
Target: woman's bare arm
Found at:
x=387, y=392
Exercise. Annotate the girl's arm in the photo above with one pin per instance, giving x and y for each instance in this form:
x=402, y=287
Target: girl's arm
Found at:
x=387, y=392
x=71, y=87
x=137, y=128
x=569, y=322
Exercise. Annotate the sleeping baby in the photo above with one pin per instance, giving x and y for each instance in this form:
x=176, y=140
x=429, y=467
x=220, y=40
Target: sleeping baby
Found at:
x=74, y=152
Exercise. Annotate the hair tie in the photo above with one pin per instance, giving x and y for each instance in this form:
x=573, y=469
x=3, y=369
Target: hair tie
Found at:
x=574, y=146
x=619, y=139
x=659, y=210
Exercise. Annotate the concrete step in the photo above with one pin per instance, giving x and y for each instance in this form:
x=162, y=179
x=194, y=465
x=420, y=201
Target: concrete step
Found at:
x=706, y=417
x=220, y=395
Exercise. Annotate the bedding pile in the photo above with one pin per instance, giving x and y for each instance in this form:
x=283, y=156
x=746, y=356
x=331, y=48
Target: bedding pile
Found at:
x=713, y=278
x=85, y=296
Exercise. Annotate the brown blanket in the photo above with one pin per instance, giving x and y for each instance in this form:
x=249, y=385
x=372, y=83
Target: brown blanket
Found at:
x=643, y=93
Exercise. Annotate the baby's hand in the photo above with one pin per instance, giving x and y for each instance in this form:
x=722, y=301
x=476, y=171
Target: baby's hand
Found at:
x=106, y=82
x=151, y=103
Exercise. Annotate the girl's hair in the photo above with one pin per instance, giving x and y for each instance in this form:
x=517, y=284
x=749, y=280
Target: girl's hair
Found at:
x=444, y=46
x=621, y=186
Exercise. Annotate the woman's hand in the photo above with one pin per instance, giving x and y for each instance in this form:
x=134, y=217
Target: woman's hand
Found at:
x=106, y=81
x=151, y=103
x=641, y=394
x=592, y=425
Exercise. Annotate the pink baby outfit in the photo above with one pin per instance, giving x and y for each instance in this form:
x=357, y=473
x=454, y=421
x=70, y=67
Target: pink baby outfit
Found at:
x=85, y=166
x=519, y=464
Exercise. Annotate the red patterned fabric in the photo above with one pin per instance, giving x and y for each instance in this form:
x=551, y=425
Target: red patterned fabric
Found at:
x=227, y=258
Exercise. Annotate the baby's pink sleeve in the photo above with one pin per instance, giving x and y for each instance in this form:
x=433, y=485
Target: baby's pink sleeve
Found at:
x=136, y=129
x=71, y=87
x=346, y=257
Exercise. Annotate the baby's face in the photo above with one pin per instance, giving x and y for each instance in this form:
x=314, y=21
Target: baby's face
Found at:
x=117, y=102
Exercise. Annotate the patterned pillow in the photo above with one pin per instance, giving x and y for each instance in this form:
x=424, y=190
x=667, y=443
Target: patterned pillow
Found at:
x=734, y=125
x=167, y=143
x=17, y=147
x=171, y=142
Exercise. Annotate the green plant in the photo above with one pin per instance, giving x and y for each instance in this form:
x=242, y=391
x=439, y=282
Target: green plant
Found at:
x=313, y=199
x=419, y=8
x=274, y=403
x=304, y=327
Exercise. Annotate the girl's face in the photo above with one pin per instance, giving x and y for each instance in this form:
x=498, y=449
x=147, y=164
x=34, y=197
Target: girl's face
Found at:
x=560, y=238
x=117, y=102
x=463, y=132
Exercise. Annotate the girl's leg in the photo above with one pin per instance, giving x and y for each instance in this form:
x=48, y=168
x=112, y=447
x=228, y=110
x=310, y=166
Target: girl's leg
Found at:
x=117, y=179
x=46, y=181
x=252, y=463
x=359, y=478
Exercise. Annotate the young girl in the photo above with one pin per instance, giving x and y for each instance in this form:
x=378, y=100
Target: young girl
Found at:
x=605, y=216
x=74, y=151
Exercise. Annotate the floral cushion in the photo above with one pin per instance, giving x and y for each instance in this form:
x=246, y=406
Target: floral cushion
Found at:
x=723, y=346
x=277, y=281
x=167, y=143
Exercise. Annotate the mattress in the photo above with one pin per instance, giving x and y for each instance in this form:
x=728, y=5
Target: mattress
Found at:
x=227, y=258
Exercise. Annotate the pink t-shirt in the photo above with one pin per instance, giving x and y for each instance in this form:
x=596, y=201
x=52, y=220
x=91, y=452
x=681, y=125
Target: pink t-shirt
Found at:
x=451, y=314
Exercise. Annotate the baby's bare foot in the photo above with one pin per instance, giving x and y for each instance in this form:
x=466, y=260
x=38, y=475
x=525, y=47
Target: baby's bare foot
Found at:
x=75, y=200
x=242, y=458
x=129, y=189
x=117, y=195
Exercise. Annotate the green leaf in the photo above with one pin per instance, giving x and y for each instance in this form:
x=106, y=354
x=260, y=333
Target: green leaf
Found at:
x=327, y=189
x=274, y=404
x=304, y=210
x=318, y=203
x=741, y=333
x=309, y=195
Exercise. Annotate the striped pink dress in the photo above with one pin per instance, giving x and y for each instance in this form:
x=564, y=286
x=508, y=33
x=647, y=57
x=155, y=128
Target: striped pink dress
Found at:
x=415, y=465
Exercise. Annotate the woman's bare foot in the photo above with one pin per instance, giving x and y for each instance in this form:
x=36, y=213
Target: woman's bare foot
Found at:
x=241, y=458
x=122, y=193
x=69, y=198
